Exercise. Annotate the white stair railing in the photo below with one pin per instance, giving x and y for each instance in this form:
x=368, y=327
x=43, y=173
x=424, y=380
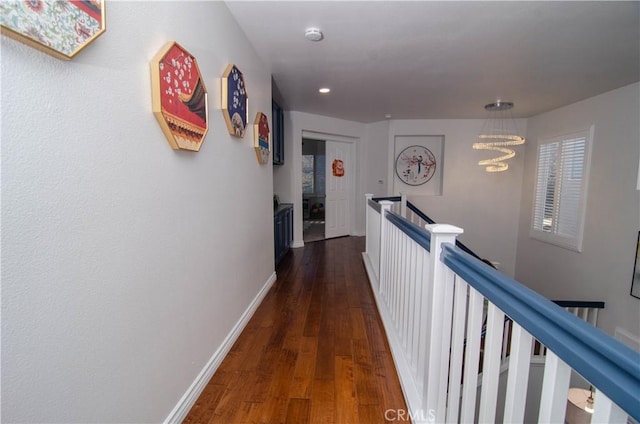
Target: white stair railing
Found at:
x=431, y=298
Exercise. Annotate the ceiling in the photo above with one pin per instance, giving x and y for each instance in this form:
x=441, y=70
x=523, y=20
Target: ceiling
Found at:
x=427, y=59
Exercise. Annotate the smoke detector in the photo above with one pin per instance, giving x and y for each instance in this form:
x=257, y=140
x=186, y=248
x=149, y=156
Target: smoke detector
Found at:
x=313, y=34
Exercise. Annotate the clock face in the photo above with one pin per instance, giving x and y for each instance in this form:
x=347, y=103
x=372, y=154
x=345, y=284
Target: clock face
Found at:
x=415, y=165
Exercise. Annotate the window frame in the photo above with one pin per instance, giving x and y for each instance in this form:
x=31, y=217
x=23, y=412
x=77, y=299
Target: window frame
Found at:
x=552, y=237
x=313, y=174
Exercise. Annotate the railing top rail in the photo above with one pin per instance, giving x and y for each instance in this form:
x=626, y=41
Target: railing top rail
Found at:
x=579, y=304
x=418, y=212
x=428, y=220
x=415, y=232
x=605, y=362
x=389, y=198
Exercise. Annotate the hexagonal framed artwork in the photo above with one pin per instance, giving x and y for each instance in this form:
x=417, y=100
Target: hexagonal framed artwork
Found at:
x=235, y=103
x=60, y=28
x=261, y=138
x=179, y=97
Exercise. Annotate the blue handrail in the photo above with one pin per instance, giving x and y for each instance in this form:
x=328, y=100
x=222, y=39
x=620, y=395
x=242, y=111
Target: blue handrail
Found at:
x=415, y=232
x=461, y=245
x=428, y=220
x=605, y=362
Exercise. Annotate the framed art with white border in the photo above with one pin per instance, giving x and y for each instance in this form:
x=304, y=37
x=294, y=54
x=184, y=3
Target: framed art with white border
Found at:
x=235, y=102
x=418, y=164
x=261, y=138
x=179, y=97
x=60, y=28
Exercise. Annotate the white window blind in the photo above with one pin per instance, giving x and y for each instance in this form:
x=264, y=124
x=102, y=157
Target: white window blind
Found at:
x=560, y=192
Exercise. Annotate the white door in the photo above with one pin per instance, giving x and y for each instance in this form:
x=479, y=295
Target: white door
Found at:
x=339, y=171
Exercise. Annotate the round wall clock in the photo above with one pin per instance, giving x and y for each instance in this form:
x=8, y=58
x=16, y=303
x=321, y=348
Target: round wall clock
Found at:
x=415, y=165
x=235, y=103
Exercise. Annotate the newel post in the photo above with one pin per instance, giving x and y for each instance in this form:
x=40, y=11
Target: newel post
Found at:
x=435, y=376
x=403, y=205
x=385, y=206
x=368, y=240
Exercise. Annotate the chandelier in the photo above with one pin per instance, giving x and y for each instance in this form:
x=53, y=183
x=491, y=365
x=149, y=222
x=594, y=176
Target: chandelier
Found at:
x=498, y=133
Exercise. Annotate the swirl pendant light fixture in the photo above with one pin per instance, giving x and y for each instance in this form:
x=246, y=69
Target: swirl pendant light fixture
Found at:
x=498, y=133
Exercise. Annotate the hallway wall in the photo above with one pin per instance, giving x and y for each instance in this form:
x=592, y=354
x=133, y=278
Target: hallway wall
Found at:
x=486, y=205
x=287, y=178
x=604, y=268
x=121, y=273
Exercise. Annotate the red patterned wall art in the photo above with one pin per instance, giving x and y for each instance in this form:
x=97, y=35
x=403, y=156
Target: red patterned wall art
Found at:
x=179, y=97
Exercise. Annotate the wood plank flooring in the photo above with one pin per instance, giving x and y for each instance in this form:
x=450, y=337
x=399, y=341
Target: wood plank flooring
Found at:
x=314, y=351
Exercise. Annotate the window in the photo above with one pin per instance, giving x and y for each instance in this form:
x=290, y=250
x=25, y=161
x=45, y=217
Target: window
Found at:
x=308, y=186
x=561, y=187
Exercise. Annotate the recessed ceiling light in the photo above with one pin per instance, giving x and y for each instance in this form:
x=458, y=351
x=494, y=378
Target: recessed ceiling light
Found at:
x=324, y=90
x=313, y=34
x=387, y=116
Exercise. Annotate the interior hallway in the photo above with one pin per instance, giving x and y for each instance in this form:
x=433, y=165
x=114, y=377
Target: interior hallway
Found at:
x=314, y=351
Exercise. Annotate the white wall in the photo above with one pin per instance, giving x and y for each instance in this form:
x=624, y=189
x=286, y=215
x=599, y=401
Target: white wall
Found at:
x=492, y=227
x=604, y=269
x=125, y=264
x=486, y=205
x=287, y=178
x=376, y=159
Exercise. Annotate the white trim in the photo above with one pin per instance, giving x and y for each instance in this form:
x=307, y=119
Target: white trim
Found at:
x=322, y=136
x=180, y=411
x=296, y=244
x=571, y=243
x=409, y=389
x=371, y=273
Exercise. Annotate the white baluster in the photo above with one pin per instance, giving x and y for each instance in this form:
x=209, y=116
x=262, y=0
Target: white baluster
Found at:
x=518, y=378
x=555, y=386
x=605, y=411
x=420, y=266
x=385, y=205
x=411, y=300
x=457, y=348
x=595, y=317
x=472, y=356
x=367, y=208
x=423, y=323
x=585, y=314
x=403, y=205
x=433, y=398
x=491, y=365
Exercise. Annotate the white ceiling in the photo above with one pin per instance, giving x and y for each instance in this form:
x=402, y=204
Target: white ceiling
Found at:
x=425, y=59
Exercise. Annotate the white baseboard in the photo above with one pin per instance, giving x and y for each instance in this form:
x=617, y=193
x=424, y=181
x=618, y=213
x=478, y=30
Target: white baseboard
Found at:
x=296, y=244
x=179, y=413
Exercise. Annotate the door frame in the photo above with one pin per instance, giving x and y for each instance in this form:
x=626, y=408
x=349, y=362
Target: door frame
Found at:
x=352, y=174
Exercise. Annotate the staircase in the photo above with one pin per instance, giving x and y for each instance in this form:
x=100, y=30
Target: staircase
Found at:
x=458, y=359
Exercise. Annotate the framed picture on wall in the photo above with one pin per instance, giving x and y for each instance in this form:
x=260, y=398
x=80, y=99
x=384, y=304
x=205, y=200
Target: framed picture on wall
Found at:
x=418, y=164
x=179, y=97
x=261, y=139
x=635, y=282
x=60, y=28
x=235, y=103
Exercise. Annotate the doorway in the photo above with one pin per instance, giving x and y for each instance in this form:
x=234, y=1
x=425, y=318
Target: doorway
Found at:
x=313, y=189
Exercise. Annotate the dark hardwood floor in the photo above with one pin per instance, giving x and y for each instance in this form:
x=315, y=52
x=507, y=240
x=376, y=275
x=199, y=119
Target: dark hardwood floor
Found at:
x=314, y=351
